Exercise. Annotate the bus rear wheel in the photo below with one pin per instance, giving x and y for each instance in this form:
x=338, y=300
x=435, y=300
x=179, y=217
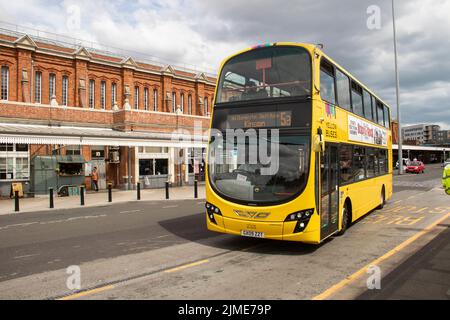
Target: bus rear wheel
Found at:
x=345, y=219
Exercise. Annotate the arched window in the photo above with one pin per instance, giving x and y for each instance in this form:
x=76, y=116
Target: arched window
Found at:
x=103, y=94
x=65, y=90
x=136, y=98
x=205, y=106
x=4, y=90
x=145, y=98
x=91, y=93
x=182, y=102
x=37, y=87
x=155, y=100
x=189, y=104
x=113, y=94
x=174, y=102
x=51, y=86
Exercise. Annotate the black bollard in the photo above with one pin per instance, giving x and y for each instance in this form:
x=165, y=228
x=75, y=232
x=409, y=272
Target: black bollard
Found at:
x=51, y=205
x=138, y=189
x=109, y=192
x=82, y=195
x=167, y=189
x=195, y=189
x=16, y=201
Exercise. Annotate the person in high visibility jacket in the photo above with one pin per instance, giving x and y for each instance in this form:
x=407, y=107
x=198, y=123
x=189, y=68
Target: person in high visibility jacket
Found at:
x=446, y=179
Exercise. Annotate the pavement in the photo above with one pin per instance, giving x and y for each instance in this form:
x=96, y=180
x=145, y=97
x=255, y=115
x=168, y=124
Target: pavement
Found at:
x=93, y=199
x=162, y=250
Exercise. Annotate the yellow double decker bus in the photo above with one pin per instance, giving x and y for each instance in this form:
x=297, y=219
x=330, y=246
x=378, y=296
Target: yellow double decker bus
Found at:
x=299, y=148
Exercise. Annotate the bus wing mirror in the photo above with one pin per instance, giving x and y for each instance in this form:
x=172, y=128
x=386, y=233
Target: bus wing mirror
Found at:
x=319, y=143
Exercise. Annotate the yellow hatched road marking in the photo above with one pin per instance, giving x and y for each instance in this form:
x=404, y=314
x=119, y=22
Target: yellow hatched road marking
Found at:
x=390, y=253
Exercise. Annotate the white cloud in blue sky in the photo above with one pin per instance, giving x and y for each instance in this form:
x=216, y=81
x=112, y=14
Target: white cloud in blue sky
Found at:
x=202, y=33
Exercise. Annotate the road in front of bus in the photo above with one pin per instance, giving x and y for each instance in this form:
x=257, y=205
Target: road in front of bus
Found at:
x=162, y=250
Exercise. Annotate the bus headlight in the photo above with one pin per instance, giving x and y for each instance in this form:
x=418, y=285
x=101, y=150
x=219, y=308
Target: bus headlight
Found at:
x=211, y=210
x=302, y=218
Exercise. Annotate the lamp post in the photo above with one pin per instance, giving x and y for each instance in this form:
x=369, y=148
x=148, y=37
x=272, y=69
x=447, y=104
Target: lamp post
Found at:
x=397, y=89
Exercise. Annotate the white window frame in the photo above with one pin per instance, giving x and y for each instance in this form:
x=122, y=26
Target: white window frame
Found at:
x=182, y=102
x=136, y=98
x=51, y=86
x=155, y=99
x=103, y=94
x=113, y=93
x=91, y=93
x=4, y=86
x=14, y=155
x=38, y=87
x=190, y=104
x=65, y=90
x=174, y=102
x=146, y=99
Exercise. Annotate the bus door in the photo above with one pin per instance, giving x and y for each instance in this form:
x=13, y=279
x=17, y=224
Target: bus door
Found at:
x=329, y=203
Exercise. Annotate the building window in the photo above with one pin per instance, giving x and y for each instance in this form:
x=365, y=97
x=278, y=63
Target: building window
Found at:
x=51, y=86
x=37, y=87
x=189, y=104
x=65, y=90
x=174, y=102
x=73, y=150
x=182, y=102
x=155, y=100
x=145, y=98
x=91, y=94
x=14, y=162
x=113, y=94
x=136, y=98
x=103, y=94
x=5, y=83
x=205, y=106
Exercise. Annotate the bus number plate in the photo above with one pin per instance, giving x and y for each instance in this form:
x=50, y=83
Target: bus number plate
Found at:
x=253, y=234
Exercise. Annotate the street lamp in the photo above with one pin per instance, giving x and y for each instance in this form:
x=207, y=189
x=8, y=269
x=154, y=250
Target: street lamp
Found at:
x=397, y=89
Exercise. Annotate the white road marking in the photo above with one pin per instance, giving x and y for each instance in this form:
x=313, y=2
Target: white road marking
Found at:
x=167, y=207
x=26, y=256
x=130, y=211
x=52, y=221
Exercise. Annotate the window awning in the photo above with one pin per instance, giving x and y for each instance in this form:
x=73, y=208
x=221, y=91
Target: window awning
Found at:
x=37, y=134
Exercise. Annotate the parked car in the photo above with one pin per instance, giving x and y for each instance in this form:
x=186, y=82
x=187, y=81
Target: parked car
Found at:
x=415, y=167
x=446, y=162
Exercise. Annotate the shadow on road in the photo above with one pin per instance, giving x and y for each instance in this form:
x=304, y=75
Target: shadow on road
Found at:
x=193, y=228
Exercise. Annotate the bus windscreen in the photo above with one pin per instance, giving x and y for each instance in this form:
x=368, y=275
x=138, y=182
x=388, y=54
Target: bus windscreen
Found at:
x=272, y=72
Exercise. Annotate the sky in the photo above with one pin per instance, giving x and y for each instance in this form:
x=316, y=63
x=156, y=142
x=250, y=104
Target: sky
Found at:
x=199, y=34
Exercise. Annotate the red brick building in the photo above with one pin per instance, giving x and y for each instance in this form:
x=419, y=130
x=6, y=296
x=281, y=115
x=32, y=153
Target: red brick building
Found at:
x=61, y=100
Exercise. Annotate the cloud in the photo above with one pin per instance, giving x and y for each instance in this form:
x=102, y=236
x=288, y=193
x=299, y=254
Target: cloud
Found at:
x=199, y=34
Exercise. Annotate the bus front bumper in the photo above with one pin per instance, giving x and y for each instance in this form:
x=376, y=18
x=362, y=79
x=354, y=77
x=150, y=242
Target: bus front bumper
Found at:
x=267, y=230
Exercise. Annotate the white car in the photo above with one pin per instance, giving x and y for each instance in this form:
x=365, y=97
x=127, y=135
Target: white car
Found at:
x=446, y=162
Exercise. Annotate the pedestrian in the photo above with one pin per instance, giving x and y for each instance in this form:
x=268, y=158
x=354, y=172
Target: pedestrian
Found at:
x=94, y=178
x=446, y=179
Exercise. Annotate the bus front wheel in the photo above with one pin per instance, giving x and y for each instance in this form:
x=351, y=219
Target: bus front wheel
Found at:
x=345, y=219
x=382, y=199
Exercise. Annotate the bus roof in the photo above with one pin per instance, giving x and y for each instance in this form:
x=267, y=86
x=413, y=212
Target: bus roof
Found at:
x=311, y=48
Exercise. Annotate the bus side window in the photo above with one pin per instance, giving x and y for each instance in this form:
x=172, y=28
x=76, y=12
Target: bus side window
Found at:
x=380, y=115
x=327, y=90
x=387, y=120
x=359, y=163
x=345, y=164
x=367, y=105
x=343, y=90
x=357, y=99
